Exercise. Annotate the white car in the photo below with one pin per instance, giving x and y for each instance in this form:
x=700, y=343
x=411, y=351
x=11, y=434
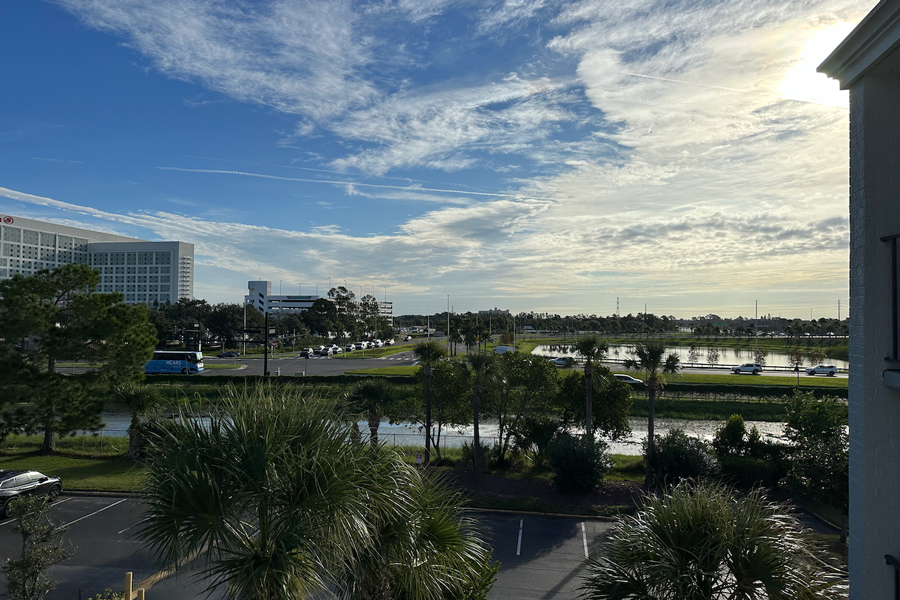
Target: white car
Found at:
x=407, y=338
x=752, y=368
x=389, y=342
x=563, y=362
x=377, y=343
x=627, y=378
x=829, y=370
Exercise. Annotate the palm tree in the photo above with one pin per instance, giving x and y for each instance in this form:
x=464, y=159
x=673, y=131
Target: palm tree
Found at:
x=591, y=348
x=286, y=506
x=483, y=367
x=651, y=358
x=394, y=568
x=701, y=543
x=142, y=401
x=372, y=397
x=428, y=354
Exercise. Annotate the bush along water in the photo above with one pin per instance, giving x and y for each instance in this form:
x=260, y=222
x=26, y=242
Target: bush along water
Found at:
x=679, y=456
x=746, y=459
x=578, y=462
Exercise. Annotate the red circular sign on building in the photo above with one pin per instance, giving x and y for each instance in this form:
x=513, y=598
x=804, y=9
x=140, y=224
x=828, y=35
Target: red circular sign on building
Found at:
x=8, y=220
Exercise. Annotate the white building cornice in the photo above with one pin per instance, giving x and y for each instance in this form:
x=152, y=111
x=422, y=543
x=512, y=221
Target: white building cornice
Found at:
x=870, y=43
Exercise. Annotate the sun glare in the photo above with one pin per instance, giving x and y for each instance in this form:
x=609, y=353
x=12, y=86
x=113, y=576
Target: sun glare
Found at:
x=803, y=83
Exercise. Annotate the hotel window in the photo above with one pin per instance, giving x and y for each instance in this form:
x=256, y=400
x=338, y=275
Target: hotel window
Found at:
x=132, y=258
x=163, y=298
x=164, y=270
x=145, y=258
x=12, y=250
x=30, y=237
x=64, y=242
x=163, y=258
x=117, y=258
x=12, y=234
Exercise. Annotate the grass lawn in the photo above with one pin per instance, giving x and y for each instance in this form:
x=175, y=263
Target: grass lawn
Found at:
x=110, y=474
x=760, y=380
x=223, y=367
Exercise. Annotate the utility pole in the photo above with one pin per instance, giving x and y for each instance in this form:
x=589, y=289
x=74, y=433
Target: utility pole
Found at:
x=839, y=311
x=448, y=324
x=756, y=332
x=266, y=349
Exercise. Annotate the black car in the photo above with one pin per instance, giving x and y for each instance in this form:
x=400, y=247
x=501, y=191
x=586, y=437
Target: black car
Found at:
x=16, y=483
x=229, y=354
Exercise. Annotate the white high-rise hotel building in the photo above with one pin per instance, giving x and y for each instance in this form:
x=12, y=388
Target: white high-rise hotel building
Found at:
x=144, y=272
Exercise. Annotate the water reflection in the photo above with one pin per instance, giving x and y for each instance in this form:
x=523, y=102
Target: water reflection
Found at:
x=727, y=356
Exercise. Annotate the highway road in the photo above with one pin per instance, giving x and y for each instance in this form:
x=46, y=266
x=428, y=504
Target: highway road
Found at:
x=542, y=557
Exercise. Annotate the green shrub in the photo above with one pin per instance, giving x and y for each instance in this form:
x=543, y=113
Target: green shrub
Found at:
x=679, y=456
x=578, y=463
x=534, y=437
x=468, y=453
x=748, y=471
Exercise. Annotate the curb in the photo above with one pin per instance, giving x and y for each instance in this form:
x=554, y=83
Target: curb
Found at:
x=530, y=513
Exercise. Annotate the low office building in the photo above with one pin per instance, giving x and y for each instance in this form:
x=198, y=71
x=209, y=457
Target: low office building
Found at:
x=143, y=272
x=261, y=297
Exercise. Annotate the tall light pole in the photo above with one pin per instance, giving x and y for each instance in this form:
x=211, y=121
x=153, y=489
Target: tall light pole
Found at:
x=756, y=332
x=279, y=286
x=448, y=324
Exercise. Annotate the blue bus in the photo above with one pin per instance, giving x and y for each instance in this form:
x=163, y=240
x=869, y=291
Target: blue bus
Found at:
x=164, y=361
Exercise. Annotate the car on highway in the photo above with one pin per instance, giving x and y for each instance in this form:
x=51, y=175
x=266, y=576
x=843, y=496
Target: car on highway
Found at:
x=17, y=483
x=752, y=368
x=229, y=354
x=627, y=378
x=307, y=353
x=829, y=370
x=389, y=342
x=563, y=362
x=407, y=338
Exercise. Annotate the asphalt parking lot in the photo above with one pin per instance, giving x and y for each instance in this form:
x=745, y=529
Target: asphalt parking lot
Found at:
x=542, y=557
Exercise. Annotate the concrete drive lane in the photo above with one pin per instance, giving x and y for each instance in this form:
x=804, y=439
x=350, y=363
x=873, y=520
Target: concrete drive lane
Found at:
x=548, y=562
x=334, y=365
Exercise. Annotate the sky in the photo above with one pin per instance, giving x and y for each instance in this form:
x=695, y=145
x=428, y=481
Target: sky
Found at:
x=531, y=155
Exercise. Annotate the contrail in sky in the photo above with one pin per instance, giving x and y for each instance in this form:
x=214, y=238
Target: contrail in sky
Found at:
x=728, y=89
x=354, y=183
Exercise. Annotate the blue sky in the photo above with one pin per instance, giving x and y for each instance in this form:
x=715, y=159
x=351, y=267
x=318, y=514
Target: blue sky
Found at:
x=525, y=154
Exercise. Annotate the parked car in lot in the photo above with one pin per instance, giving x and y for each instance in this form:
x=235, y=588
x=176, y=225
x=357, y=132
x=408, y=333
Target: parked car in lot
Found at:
x=307, y=353
x=349, y=347
x=335, y=349
x=325, y=351
x=752, y=368
x=229, y=354
x=627, y=378
x=377, y=343
x=829, y=370
x=16, y=483
x=318, y=349
x=389, y=342
x=362, y=345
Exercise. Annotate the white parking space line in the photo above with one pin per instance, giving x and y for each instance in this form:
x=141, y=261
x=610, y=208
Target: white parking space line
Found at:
x=13, y=520
x=95, y=512
x=584, y=538
x=130, y=526
x=519, y=545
